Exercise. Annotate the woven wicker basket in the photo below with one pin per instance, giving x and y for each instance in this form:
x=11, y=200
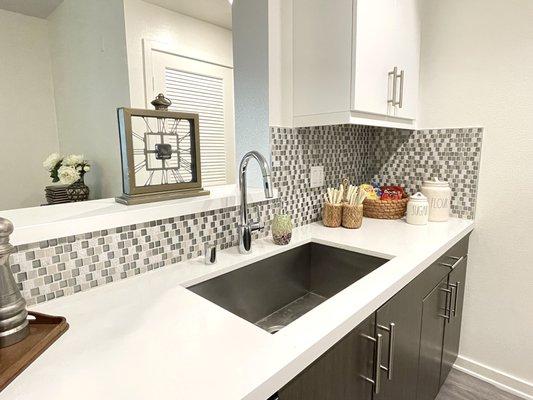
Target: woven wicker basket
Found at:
x=332, y=215
x=352, y=216
x=385, y=209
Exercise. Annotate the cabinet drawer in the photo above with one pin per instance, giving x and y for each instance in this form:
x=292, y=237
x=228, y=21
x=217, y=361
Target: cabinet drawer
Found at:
x=451, y=257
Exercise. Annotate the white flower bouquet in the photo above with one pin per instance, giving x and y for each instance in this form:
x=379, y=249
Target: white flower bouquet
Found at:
x=66, y=170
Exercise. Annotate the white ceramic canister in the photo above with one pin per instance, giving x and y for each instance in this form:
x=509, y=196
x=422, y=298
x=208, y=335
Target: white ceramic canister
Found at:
x=417, y=210
x=439, y=197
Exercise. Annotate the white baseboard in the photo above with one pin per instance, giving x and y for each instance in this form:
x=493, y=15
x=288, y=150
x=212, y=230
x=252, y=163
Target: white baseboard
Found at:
x=506, y=382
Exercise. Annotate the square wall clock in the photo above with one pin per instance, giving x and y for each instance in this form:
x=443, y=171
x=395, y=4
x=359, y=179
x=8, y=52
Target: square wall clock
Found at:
x=160, y=153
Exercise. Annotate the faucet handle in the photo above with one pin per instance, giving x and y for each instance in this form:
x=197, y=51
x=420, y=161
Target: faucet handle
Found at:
x=257, y=225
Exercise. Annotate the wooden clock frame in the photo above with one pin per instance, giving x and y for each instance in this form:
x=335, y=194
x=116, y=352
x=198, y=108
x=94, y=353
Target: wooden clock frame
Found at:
x=134, y=194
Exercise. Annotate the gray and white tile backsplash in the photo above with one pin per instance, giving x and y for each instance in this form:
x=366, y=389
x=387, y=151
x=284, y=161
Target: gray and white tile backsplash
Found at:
x=408, y=158
x=342, y=150
x=362, y=153
x=60, y=267
x=64, y=266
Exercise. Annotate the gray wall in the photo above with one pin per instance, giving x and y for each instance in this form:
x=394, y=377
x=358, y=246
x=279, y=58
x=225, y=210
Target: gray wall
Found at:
x=28, y=132
x=90, y=71
x=250, y=52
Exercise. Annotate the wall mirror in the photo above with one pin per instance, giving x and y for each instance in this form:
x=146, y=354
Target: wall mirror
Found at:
x=67, y=65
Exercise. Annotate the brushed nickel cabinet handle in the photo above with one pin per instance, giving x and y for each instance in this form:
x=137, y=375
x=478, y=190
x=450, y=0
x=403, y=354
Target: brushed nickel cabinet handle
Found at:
x=376, y=380
x=377, y=366
x=455, y=286
x=402, y=78
x=447, y=306
x=391, y=329
x=446, y=265
x=394, y=76
x=452, y=266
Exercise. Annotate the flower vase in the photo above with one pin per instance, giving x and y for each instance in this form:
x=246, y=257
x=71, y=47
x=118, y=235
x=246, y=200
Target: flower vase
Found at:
x=78, y=191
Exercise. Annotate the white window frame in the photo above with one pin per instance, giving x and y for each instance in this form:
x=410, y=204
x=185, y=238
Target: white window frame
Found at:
x=153, y=87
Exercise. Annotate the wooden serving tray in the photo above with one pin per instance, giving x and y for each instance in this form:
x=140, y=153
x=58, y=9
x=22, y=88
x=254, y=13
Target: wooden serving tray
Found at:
x=44, y=330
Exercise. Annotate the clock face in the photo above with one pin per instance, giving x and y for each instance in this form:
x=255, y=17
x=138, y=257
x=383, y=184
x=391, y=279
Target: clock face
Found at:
x=163, y=151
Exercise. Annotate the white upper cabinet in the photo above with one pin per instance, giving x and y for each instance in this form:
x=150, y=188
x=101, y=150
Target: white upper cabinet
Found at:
x=373, y=56
x=407, y=50
x=356, y=61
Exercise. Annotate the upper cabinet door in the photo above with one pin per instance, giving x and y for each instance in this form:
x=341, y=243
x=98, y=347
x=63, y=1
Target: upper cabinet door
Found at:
x=406, y=51
x=322, y=56
x=373, y=55
x=345, y=55
x=386, y=39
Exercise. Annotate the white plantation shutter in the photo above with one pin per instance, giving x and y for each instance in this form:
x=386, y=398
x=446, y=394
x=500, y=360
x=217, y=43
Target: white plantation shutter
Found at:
x=203, y=95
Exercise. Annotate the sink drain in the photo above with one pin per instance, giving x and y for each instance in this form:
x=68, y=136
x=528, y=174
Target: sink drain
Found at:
x=274, y=328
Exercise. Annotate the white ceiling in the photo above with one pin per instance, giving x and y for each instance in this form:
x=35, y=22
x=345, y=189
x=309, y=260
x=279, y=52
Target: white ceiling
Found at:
x=34, y=8
x=217, y=12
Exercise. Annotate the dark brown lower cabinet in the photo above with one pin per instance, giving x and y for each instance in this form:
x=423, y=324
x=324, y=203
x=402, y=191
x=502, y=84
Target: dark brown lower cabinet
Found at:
x=441, y=331
x=401, y=319
x=452, y=329
x=339, y=373
x=434, y=313
x=396, y=321
x=404, y=351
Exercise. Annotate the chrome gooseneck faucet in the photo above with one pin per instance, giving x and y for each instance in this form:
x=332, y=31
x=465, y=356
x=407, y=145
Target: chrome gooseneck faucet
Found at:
x=247, y=227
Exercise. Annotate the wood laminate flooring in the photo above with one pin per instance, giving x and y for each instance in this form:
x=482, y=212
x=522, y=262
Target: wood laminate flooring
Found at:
x=461, y=386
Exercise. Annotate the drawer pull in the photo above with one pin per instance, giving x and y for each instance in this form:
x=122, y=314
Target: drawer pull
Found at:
x=452, y=266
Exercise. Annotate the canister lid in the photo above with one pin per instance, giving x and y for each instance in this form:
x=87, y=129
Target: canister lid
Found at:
x=435, y=182
x=418, y=197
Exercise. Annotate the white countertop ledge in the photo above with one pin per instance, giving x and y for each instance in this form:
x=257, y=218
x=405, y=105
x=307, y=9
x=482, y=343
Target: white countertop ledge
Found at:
x=50, y=222
x=148, y=337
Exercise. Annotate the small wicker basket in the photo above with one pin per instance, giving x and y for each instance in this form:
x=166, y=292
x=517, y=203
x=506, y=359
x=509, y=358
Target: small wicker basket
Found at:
x=332, y=215
x=385, y=209
x=352, y=216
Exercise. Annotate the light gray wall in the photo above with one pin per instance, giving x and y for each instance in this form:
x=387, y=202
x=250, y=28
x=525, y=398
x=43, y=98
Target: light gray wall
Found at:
x=250, y=59
x=90, y=71
x=477, y=69
x=28, y=131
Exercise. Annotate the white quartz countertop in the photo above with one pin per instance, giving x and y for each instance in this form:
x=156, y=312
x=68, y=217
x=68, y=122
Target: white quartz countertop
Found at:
x=148, y=337
x=42, y=223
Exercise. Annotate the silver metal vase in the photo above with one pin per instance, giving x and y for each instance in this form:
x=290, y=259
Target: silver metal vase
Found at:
x=13, y=315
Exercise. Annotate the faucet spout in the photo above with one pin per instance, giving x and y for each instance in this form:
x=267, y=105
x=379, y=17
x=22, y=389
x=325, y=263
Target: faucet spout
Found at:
x=246, y=228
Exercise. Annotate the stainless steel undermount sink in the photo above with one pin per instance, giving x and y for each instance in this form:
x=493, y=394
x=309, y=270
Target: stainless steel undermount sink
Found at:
x=274, y=292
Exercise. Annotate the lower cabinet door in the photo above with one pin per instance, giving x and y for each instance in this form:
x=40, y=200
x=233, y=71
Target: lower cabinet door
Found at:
x=434, y=315
x=399, y=322
x=452, y=329
x=340, y=373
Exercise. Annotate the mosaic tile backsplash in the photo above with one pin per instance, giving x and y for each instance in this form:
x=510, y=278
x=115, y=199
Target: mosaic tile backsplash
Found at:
x=361, y=153
x=342, y=150
x=408, y=158
x=64, y=266
x=60, y=267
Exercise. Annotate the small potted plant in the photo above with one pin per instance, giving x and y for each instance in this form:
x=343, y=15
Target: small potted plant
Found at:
x=70, y=171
